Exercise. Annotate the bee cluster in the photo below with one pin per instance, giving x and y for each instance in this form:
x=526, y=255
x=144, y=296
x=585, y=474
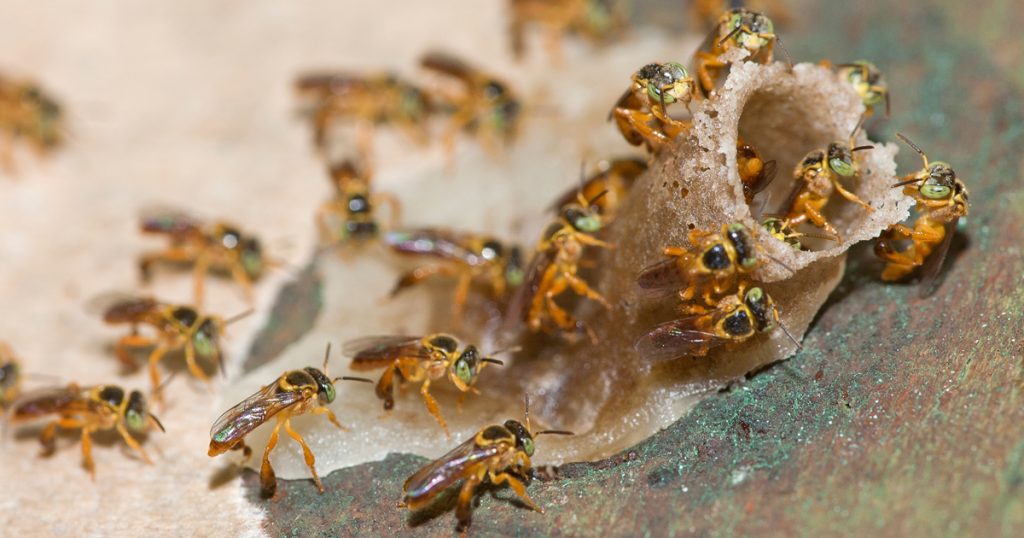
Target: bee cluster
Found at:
x=720, y=303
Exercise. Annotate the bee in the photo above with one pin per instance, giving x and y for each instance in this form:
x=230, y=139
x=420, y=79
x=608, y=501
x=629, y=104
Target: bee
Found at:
x=730, y=319
x=217, y=246
x=554, y=267
x=869, y=83
x=10, y=375
x=780, y=229
x=817, y=176
x=941, y=200
x=608, y=187
x=596, y=20
x=177, y=327
x=755, y=173
x=709, y=11
x=349, y=215
x=369, y=100
x=477, y=101
x=416, y=359
x=713, y=261
x=737, y=28
x=294, y=393
x=497, y=454
x=91, y=409
x=466, y=256
x=641, y=114
x=30, y=114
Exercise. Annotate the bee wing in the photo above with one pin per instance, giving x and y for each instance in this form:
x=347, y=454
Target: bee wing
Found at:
x=662, y=275
x=674, y=339
x=373, y=351
x=933, y=265
x=328, y=83
x=446, y=470
x=520, y=304
x=47, y=401
x=447, y=64
x=444, y=244
x=120, y=307
x=245, y=417
x=170, y=221
x=771, y=168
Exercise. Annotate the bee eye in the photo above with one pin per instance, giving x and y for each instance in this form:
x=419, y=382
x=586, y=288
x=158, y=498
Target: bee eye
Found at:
x=528, y=446
x=841, y=166
x=654, y=91
x=934, y=192
x=463, y=372
x=134, y=420
x=327, y=393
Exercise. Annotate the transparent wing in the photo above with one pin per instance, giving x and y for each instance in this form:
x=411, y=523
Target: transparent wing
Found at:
x=444, y=244
x=933, y=265
x=120, y=307
x=166, y=220
x=48, y=401
x=674, y=339
x=446, y=470
x=245, y=417
x=520, y=304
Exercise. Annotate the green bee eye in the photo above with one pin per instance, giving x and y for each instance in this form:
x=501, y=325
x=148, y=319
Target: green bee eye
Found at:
x=205, y=346
x=755, y=295
x=463, y=372
x=655, y=92
x=589, y=224
x=841, y=167
x=528, y=446
x=134, y=421
x=514, y=276
x=934, y=192
x=253, y=263
x=328, y=393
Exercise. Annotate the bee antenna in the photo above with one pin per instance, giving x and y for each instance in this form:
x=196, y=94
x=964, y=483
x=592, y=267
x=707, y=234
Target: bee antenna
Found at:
x=159, y=388
x=908, y=142
x=904, y=182
x=554, y=432
x=351, y=378
x=492, y=361
x=789, y=57
x=242, y=315
x=526, y=398
x=734, y=31
x=327, y=356
x=599, y=195
x=888, y=106
x=782, y=326
x=862, y=148
x=780, y=262
x=157, y=422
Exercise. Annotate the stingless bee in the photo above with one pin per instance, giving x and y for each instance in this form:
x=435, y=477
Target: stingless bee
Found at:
x=780, y=229
x=641, y=114
x=208, y=246
x=177, y=327
x=467, y=256
x=10, y=375
x=368, y=100
x=737, y=28
x=595, y=20
x=350, y=214
x=554, y=269
x=30, y=114
x=497, y=454
x=755, y=173
x=941, y=200
x=91, y=409
x=869, y=83
x=730, y=319
x=713, y=262
x=477, y=101
x=414, y=359
x=294, y=393
x=817, y=176
x=608, y=187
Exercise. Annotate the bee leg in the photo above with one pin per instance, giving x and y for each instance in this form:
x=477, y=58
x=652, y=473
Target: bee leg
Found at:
x=581, y=287
x=327, y=235
x=518, y=487
x=202, y=265
x=557, y=313
x=464, y=506
x=193, y=366
x=239, y=275
x=852, y=197
x=386, y=386
x=431, y=404
x=637, y=123
x=539, y=300
x=122, y=349
x=87, y=451
x=268, y=481
x=131, y=442
x=670, y=126
x=306, y=452
x=593, y=241
x=321, y=121
x=246, y=450
x=459, y=121
x=461, y=293
x=418, y=275
x=818, y=220
x=330, y=416
x=394, y=208
x=154, y=373
x=693, y=310
x=48, y=437
x=707, y=61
